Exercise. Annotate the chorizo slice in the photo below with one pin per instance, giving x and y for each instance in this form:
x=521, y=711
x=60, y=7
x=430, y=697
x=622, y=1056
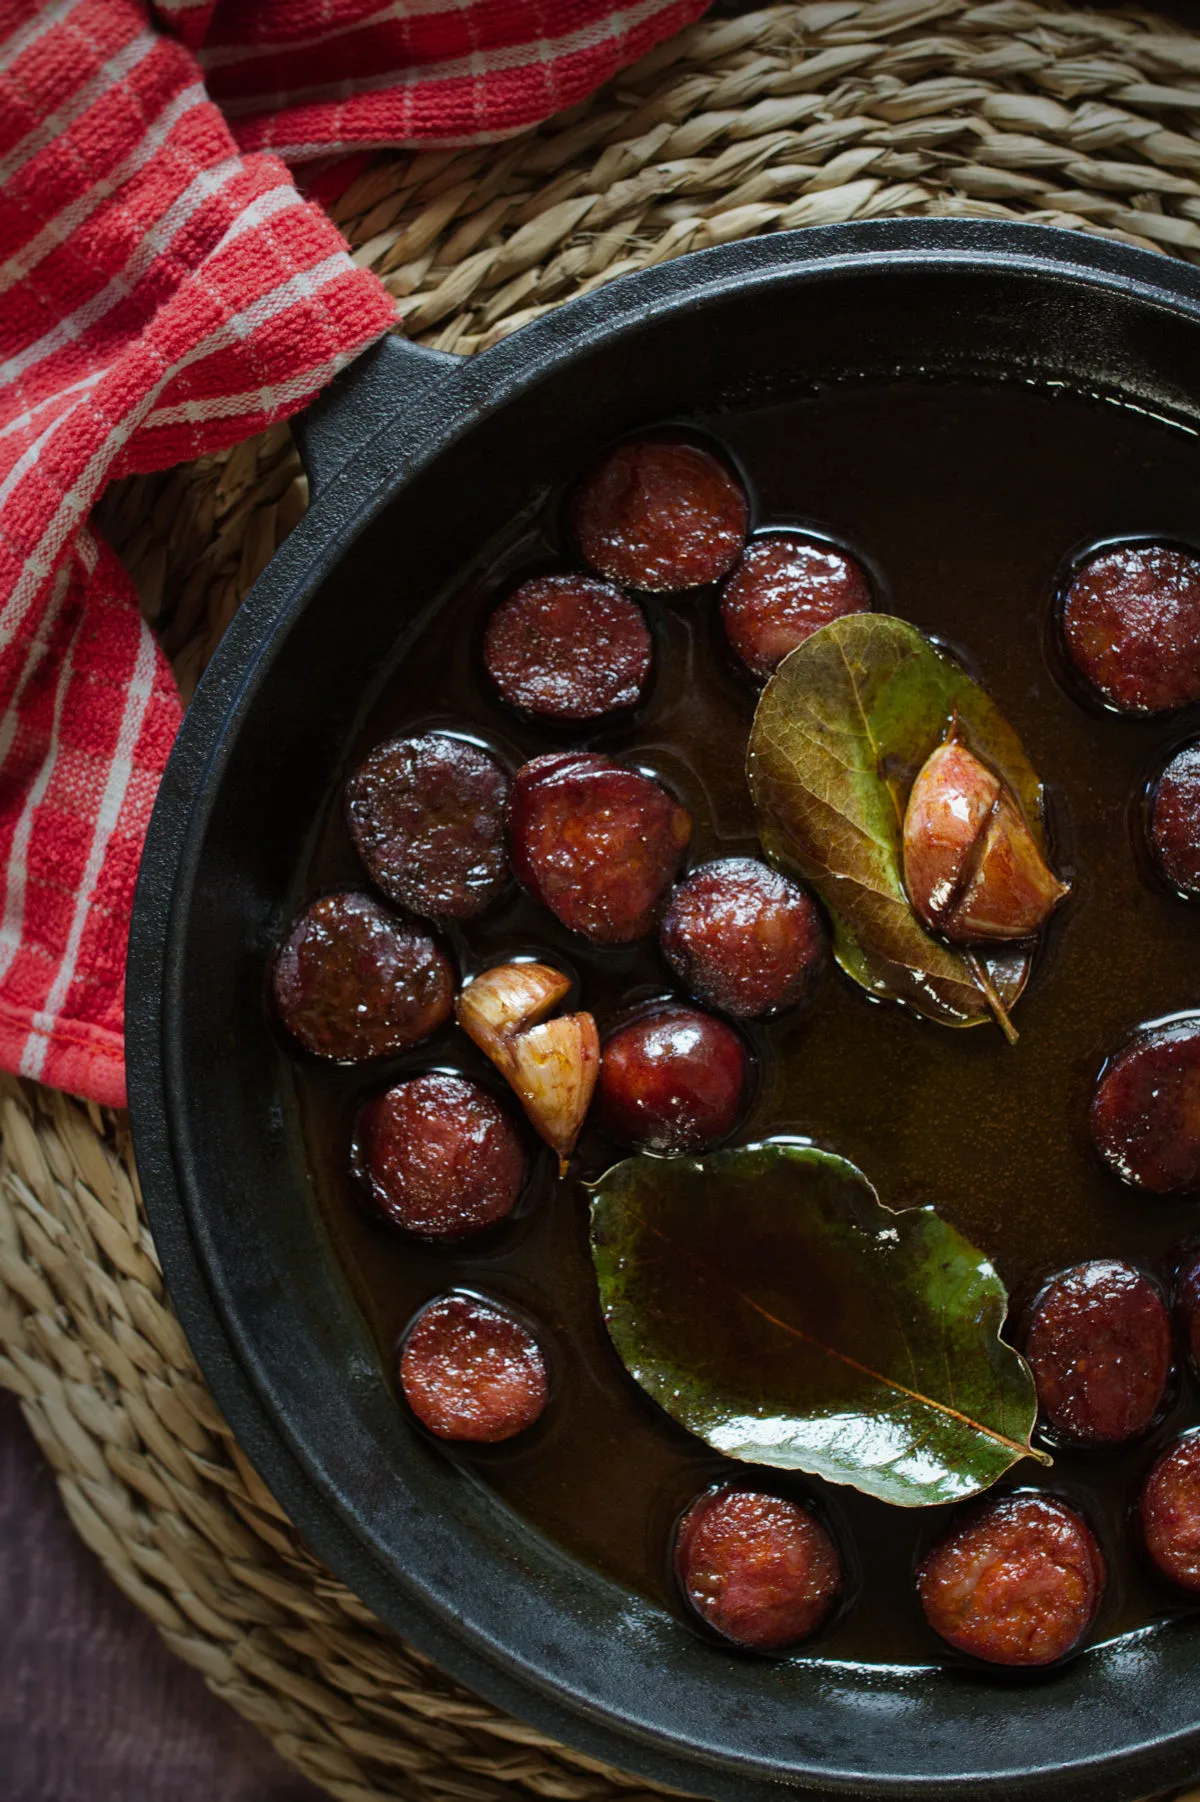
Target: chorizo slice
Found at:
x=439, y=1156
x=596, y=843
x=427, y=817
x=568, y=648
x=784, y=587
x=742, y=937
x=1017, y=1581
x=352, y=981
x=1145, y=1113
x=1169, y=1514
x=760, y=1570
x=1131, y=622
x=1175, y=821
x=1099, y=1345
x=661, y=514
x=472, y=1371
x=672, y=1080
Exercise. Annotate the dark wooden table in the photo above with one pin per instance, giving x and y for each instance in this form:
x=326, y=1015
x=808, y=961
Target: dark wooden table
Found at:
x=93, y=1708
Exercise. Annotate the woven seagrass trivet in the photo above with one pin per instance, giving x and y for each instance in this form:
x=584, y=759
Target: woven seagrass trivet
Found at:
x=798, y=115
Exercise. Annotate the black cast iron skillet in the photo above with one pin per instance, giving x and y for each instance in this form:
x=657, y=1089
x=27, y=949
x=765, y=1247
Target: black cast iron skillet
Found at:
x=416, y=459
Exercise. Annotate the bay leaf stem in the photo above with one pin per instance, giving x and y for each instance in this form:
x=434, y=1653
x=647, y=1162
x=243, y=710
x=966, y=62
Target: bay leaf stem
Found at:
x=987, y=989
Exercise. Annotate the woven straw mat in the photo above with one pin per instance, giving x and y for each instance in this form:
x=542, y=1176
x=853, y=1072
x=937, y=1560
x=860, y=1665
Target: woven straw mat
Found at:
x=794, y=116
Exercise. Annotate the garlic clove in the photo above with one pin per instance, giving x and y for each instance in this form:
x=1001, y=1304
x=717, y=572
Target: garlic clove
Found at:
x=551, y=1065
x=508, y=999
x=972, y=867
x=948, y=808
x=553, y=1069
x=1012, y=892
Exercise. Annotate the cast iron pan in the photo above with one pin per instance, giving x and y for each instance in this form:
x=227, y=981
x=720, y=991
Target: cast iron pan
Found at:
x=416, y=459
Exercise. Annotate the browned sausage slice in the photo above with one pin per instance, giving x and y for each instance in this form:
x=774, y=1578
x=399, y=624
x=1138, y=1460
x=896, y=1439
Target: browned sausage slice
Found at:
x=742, y=937
x=427, y=817
x=596, y=843
x=1131, y=620
x=1169, y=1512
x=758, y=1568
x=786, y=586
x=1145, y=1114
x=439, y=1156
x=568, y=648
x=1016, y=1581
x=1099, y=1344
x=351, y=981
x=470, y=1370
x=1175, y=821
x=661, y=514
x=672, y=1080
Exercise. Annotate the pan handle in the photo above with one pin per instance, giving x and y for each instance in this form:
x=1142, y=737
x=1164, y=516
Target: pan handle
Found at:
x=390, y=377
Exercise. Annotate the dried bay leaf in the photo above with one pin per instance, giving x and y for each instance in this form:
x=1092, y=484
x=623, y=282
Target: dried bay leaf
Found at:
x=840, y=733
x=768, y=1301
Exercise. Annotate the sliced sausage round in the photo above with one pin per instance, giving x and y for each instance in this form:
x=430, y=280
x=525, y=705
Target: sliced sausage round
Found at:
x=761, y=1570
x=742, y=937
x=672, y=1080
x=351, y=981
x=1145, y=1114
x=439, y=1156
x=661, y=514
x=568, y=648
x=596, y=843
x=1175, y=821
x=471, y=1370
x=1099, y=1346
x=1131, y=620
x=784, y=587
x=1017, y=1581
x=427, y=817
x=1169, y=1513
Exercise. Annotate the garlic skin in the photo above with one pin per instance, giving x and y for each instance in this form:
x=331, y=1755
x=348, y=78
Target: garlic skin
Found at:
x=508, y=999
x=551, y=1065
x=553, y=1069
x=972, y=867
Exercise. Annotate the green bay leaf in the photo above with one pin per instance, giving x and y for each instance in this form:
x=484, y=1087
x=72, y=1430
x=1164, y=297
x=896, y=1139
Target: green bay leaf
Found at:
x=840, y=733
x=770, y=1303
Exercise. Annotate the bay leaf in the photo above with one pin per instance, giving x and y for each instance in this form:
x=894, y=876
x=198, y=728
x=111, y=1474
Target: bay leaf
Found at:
x=840, y=733
x=770, y=1303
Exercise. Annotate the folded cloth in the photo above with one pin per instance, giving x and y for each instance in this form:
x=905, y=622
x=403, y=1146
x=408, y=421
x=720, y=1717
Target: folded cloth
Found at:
x=165, y=290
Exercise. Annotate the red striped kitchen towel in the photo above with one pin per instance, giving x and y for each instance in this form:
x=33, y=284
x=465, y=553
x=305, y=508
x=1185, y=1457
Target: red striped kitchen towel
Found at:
x=165, y=291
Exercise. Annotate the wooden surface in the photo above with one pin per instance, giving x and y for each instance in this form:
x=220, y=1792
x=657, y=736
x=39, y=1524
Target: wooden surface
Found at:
x=93, y=1708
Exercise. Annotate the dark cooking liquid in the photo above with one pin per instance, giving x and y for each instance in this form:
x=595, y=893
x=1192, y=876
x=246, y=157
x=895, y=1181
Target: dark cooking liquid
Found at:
x=966, y=504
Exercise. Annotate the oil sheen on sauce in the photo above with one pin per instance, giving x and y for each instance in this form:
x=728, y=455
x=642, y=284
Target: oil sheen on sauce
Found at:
x=967, y=505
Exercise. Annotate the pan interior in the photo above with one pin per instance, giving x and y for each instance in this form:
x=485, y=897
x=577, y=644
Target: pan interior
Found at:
x=249, y=1176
